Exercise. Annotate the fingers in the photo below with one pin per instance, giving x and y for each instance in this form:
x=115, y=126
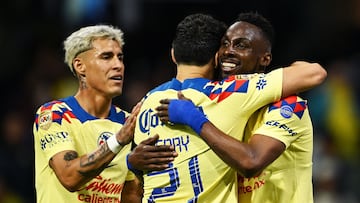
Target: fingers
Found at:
x=151, y=140
x=136, y=109
x=162, y=112
x=182, y=96
x=146, y=156
x=165, y=101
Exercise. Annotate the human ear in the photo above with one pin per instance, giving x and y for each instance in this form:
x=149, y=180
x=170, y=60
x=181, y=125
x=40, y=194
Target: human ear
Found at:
x=266, y=59
x=173, y=56
x=79, y=66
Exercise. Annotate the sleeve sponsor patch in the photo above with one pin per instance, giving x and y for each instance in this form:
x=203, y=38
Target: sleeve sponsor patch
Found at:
x=45, y=119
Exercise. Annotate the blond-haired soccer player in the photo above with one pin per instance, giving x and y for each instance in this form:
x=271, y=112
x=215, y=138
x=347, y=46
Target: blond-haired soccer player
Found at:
x=81, y=141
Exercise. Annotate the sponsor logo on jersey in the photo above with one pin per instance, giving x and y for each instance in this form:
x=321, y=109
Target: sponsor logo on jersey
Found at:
x=281, y=126
x=50, y=140
x=100, y=189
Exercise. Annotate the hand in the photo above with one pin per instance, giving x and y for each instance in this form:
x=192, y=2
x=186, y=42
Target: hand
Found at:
x=162, y=110
x=148, y=157
x=126, y=133
x=181, y=111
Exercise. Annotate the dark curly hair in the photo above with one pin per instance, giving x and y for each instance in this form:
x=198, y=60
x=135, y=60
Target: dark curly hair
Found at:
x=197, y=39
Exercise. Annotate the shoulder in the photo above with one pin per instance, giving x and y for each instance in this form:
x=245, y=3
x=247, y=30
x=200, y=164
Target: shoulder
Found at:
x=289, y=106
x=53, y=111
x=55, y=105
x=172, y=84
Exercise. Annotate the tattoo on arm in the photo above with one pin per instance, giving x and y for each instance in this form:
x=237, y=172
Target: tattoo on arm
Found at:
x=70, y=156
x=92, y=159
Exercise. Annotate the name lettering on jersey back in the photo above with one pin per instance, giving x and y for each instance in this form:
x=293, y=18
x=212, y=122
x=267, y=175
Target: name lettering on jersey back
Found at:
x=281, y=126
x=49, y=140
x=180, y=143
x=148, y=120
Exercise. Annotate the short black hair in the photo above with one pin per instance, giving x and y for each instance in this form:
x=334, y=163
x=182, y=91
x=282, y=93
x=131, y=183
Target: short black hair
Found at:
x=259, y=21
x=197, y=39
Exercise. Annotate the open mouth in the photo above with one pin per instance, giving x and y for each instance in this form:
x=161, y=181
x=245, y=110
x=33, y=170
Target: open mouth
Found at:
x=227, y=66
x=117, y=78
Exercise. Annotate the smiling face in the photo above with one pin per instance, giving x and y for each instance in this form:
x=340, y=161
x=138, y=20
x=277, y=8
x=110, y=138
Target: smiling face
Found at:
x=244, y=49
x=102, y=67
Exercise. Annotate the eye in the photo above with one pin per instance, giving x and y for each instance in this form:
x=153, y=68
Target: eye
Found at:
x=121, y=57
x=240, y=45
x=106, y=56
x=243, y=44
x=225, y=43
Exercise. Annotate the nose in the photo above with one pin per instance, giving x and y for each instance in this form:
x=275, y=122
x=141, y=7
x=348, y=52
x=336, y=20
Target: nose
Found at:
x=229, y=50
x=118, y=63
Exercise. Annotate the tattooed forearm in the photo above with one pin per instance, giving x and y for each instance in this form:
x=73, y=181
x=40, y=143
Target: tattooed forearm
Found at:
x=70, y=156
x=95, y=156
x=91, y=159
x=92, y=173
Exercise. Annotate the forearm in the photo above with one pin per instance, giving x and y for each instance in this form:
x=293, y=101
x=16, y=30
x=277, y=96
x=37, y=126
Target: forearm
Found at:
x=302, y=76
x=132, y=191
x=74, y=171
x=236, y=154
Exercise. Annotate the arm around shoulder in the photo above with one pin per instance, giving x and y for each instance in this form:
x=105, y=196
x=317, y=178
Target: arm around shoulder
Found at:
x=301, y=76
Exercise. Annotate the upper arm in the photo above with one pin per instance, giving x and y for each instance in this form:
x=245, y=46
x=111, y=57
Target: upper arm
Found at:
x=302, y=76
x=64, y=166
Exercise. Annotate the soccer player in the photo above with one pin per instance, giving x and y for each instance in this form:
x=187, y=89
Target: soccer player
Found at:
x=275, y=160
x=81, y=141
x=198, y=174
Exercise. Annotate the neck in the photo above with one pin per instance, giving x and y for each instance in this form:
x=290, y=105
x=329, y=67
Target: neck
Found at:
x=191, y=71
x=94, y=104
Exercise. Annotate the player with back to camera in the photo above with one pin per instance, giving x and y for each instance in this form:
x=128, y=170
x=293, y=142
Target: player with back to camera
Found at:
x=81, y=141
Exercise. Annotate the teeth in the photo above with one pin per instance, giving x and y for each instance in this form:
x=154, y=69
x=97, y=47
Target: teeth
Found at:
x=232, y=65
x=117, y=78
x=226, y=68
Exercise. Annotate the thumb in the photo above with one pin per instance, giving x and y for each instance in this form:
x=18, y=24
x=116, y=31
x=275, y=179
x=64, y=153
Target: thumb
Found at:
x=182, y=96
x=151, y=140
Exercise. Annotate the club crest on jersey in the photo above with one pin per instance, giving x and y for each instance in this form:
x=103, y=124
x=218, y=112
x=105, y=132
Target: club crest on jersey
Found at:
x=286, y=111
x=103, y=137
x=45, y=119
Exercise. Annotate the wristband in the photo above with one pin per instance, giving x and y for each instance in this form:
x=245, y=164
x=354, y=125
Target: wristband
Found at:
x=131, y=168
x=113, y=144
x=185, y=112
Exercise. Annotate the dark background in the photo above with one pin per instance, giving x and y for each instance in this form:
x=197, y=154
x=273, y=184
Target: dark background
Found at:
x=33, y=72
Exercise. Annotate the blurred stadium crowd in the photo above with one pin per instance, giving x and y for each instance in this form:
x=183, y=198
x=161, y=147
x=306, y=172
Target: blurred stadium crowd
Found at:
x=33, y=72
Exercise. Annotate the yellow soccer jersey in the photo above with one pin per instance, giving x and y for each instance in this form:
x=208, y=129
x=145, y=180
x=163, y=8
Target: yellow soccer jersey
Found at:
x=198, y=174
x=63, y=125
x=289, y=178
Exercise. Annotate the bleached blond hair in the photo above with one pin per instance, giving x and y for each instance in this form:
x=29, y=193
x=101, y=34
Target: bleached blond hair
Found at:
x=81, y=40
